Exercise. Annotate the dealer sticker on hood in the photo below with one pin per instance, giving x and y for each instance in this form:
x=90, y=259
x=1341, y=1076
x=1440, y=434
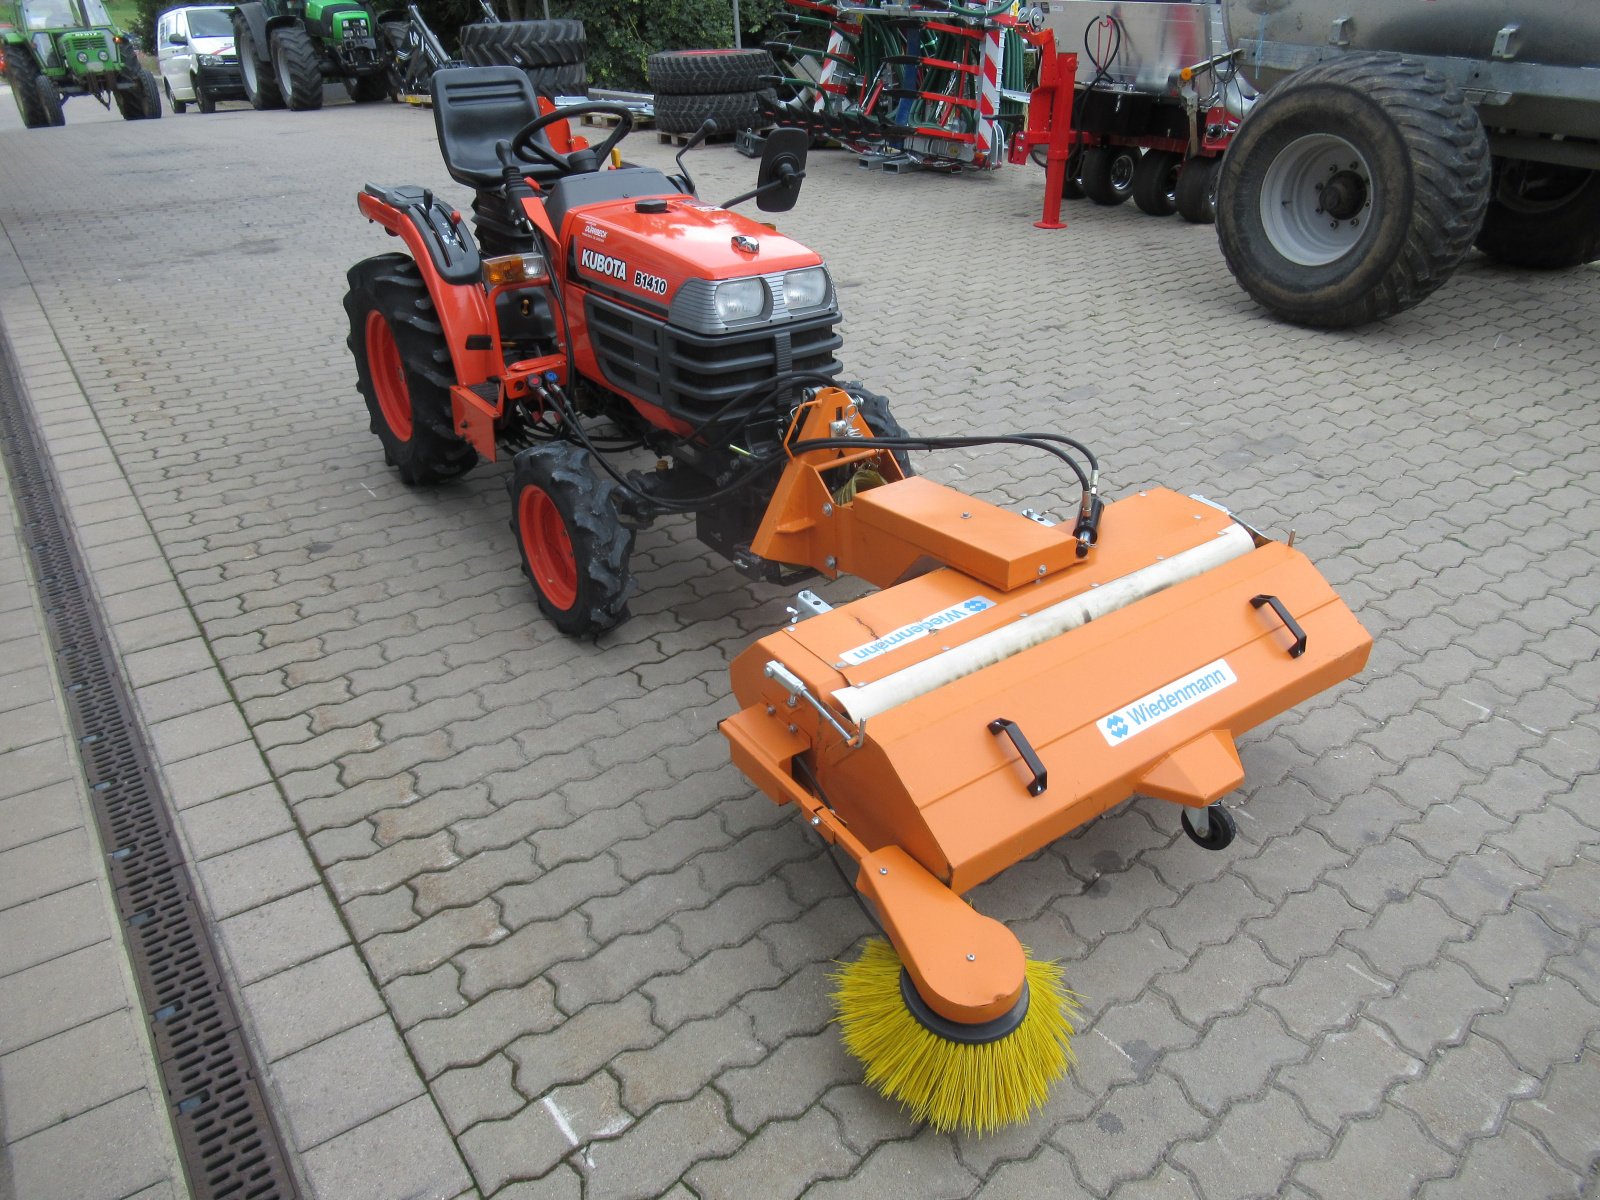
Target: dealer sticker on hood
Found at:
x=1165, y=701
x=899, y=637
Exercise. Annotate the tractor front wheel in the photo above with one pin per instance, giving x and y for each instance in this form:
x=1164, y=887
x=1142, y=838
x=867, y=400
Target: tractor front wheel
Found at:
x=296, y=68
x=403, y=370
x=574, y=550
x=49, y=97
x=140, y=99
x=21, y=74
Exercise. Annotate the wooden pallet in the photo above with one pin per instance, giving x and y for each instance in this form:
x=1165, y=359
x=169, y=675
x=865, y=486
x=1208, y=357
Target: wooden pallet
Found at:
x=682, y=139
x=607, y=121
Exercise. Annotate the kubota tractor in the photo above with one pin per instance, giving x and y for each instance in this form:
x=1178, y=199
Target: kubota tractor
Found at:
x=1012, y=679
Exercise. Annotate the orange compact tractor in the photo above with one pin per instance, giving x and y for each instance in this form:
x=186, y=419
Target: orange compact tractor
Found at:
x=1012, y=679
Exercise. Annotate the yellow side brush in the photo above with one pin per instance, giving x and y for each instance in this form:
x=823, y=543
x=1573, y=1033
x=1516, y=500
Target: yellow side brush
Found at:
x=970, y=1086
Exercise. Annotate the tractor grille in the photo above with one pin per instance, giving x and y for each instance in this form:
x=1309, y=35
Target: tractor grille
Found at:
x=690, y=374
x=88, y=50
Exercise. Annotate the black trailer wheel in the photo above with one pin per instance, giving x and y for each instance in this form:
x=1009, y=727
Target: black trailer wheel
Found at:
x=297, y=68
x=731, y=110
x=403, y=370
x=1196, y=193
x=260, y=82
x=21, y=72
x=524, y=44
x=1107, y=174
x=709, y=72
x=364, y=89
x=1352, y=190
x=1542, y=216
x=1155, y=182
x=574, y=550
x=1220, y=828
x=49, y=97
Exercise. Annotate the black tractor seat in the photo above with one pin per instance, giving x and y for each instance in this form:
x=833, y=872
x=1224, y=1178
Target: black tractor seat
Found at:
x=473, y=109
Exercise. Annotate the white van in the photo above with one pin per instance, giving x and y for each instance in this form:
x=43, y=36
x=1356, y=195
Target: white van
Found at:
x=198, y=63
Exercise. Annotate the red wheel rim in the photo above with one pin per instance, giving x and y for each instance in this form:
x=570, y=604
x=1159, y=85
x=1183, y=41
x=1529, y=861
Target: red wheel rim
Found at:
x=388, y=376
x=549, y=549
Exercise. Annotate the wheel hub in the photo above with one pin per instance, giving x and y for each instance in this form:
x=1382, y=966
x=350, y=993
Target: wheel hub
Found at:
x=1317, y=199
x=1343, y=196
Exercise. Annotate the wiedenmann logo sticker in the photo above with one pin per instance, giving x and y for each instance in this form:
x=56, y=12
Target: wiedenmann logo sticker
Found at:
x=907, y=633
x=1162, y=703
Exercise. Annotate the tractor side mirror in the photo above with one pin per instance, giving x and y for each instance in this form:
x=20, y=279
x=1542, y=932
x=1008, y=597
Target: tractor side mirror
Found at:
x=783, y=168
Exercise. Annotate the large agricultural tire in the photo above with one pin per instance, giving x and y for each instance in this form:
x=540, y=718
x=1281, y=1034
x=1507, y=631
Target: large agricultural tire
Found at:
x=260, y=83
x=1542, y=216
x=1155, y=182
x=1196, y=193
x=709, y=72
x=297, y=68
x=1352, y=190
x=21, y=73
x=574, y=549
x=732, y=111
x=403, y=370
x=568, y=79
x=1107, y=173
x=49, y=96
x=524, y=44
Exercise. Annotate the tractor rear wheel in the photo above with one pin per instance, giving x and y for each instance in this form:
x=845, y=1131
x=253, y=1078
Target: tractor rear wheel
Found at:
x=403, y=370
x=1107, y=174
x=731, y=111
x=574, y=550
x=260, y=85
x=709, y=72
x=296, y=68
x=1155, y=182
x=21, y=72
x=49, y=96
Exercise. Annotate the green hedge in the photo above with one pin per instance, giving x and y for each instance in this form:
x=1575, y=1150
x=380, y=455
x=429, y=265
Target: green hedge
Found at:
x=622, y=33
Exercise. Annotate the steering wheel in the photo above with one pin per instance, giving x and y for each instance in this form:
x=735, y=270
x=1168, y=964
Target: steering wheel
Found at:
x=525, y=145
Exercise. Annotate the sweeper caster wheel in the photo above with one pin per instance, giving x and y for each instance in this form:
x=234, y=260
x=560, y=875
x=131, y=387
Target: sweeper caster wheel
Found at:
x=1214, y=830
x=574, y=550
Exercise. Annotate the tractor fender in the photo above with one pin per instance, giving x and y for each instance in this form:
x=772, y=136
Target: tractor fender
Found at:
x=254, y=18
x=461, y=305
x=285, y=21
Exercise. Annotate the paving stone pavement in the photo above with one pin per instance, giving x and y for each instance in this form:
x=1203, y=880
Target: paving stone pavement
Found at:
x=506, y=920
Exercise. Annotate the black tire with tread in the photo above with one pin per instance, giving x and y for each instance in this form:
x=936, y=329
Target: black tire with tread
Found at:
x=601, y=545
x=1429, y=160
x=569, y=79
x=49, y=96
x=364, y=89
x=392, y=285
x=874, y=410
x=1104, y=177
x=524, y=44
x=264, y=93
x=21, y=72
x=1551, y=234
x=297, y=68
x=142, y=101
x=1196, y=193
x=1155, y=182
x=204, y=100
x=709, y=72
x=731, y=110
x=177, y=105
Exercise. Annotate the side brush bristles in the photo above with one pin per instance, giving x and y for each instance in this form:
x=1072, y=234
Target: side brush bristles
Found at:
x=973, y=1088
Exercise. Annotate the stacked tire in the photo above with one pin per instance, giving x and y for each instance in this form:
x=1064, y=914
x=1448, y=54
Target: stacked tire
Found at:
x=553, y=53
x=725, y=85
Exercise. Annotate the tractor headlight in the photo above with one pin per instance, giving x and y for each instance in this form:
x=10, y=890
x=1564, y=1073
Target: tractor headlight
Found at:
x=805, y=289
x=740, y=300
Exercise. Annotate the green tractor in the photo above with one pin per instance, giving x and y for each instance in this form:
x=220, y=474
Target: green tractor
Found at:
x=56, y=49
x=288, y=47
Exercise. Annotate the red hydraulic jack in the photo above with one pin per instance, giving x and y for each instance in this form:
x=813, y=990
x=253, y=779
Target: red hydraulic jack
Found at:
x=1050, y=122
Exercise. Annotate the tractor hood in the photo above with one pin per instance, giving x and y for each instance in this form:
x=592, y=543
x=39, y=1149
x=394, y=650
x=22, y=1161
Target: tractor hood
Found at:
x=648, y=256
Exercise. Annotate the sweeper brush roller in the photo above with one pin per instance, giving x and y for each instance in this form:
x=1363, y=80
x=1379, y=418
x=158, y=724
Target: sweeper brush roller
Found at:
x=1003, y=688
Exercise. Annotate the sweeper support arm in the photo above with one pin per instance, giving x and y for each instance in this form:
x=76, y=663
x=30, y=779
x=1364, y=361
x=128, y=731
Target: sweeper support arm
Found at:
x=1000, y=691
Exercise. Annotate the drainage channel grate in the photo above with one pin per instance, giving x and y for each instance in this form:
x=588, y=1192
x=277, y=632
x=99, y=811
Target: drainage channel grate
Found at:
x=226, y=1137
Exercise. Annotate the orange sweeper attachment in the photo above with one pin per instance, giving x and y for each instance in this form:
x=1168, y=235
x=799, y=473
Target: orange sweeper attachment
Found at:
x=1011, y=681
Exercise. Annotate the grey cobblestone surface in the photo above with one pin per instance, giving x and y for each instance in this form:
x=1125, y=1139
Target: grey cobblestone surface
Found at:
x=605, y=957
